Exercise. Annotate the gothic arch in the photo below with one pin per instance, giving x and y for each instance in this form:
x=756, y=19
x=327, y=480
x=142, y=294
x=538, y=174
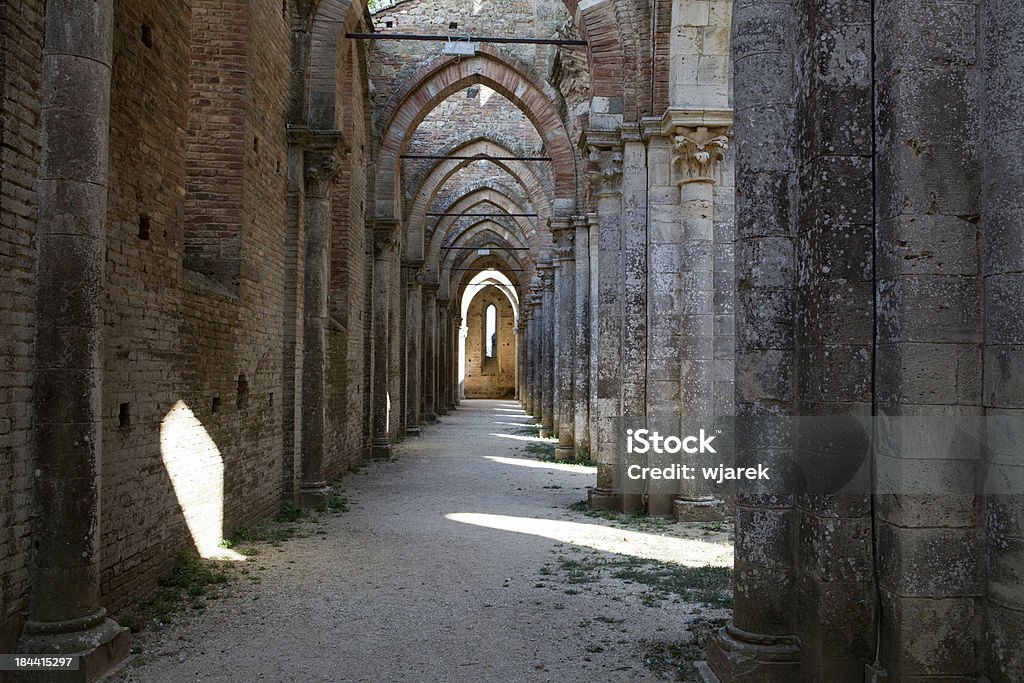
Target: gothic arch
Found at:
x=540, y=102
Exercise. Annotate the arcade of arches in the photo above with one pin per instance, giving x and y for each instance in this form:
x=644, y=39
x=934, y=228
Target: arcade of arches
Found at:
x=244, y=249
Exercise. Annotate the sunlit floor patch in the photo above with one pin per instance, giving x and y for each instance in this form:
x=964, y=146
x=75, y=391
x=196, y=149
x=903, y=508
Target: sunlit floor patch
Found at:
x=690, y=552
x=541, y=465
x=521, y=437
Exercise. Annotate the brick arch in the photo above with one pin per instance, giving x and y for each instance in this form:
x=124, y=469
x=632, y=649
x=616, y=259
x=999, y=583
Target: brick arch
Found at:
x=507, y=143
x=425, y=194
x=478, y=234
x=327, y=23
x=540, y=102
x=513, y=192
x=459, y=289
x=468, y=202
x=606, y=34
x=453, y=282
x=524, y=235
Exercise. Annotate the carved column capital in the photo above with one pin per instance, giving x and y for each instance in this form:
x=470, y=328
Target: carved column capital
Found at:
x=604, y=170
x=696, y=151
x=414, y=272
x=564, y=235
x=385, y=237
x=323, y=151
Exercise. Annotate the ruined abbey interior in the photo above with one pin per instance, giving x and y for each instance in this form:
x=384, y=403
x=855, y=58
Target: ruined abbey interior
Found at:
x=250, y=246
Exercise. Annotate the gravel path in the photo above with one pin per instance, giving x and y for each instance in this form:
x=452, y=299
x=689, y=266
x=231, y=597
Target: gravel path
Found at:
x=460, y=560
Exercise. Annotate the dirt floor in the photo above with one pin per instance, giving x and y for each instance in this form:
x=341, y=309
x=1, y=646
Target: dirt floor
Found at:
x=467, y=558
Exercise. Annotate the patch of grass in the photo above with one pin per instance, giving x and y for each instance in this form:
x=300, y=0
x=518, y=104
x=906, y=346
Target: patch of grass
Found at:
x=581, y=506
x=289, y=513
x=262, y=534
x=529, y=430
x=544, y=451
x=707, y=585
x=338, y=503
x=190, y=582
x=675, y=660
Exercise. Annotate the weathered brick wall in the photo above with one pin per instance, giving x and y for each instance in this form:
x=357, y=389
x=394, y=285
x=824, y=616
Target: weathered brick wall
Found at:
x=192, y=360
x=20, y=67
x=490, y=378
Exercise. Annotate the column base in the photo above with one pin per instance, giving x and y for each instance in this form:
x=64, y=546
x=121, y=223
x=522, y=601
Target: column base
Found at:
x=442, y=411
x=603, y=500
x=705, y=673
x=546, y=432
x=102, y=645
x=565, y=453
x=380, y=451
x=735, y=655
x=875, y=673
x=699, y=510
x=429, y=417
x=412, y=431
x=313, y=496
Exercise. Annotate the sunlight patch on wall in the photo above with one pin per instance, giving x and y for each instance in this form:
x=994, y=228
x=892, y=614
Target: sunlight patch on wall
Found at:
x=196, y=470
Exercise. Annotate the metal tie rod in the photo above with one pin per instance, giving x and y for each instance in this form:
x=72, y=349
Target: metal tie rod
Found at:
x=447, y=39
x=483, y=215
x=482, y=157
x=489, y=248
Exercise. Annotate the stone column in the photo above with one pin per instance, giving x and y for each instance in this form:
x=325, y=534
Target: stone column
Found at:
x=604, y=159
x=443, y=376
x=1003, y=268
x=565, y=318
x=593, y=239
x=547, y=370
x=758, y=644
x=458, y=336
x=697, y=151
x=414, y=350
x=429, y=351
x=385, y=242
x=321, y=168
x=536, y=350
x=581, y=345
x=65, y=612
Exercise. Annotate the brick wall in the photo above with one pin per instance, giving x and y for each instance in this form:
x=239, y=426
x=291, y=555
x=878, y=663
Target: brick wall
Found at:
x=20, y=67
x=192, y=359
x=490, y=378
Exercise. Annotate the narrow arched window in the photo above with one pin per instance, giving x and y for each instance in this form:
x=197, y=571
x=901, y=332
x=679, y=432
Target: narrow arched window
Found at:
x=491, y=332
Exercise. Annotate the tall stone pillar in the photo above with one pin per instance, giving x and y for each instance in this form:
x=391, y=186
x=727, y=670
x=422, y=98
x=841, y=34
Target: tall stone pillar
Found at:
x=429, y=351
x=758, y=644
x=581, y=346
x=65, y=613
x=321, y=168
x=385, y=243
x=414, y=349
x=565, y=346
x=697, y=151
x=547, y=409
x=1002, y=219
x=443, y=358
x=536, y=350
x=604, y=160
x=592, y=293
x=458, y=338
